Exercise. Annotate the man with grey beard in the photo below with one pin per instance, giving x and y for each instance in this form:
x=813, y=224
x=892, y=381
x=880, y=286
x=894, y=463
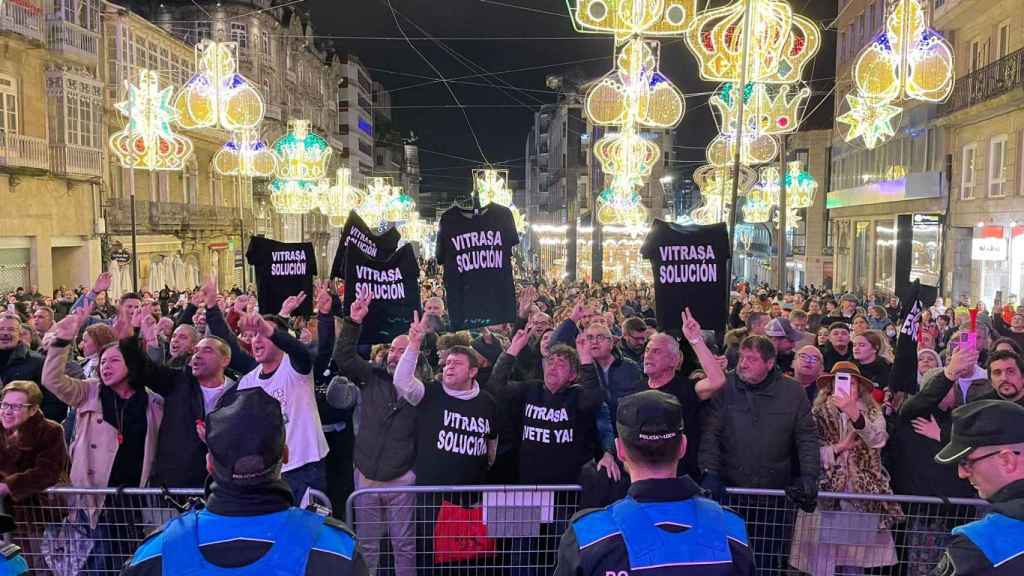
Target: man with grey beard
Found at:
x=385, y=446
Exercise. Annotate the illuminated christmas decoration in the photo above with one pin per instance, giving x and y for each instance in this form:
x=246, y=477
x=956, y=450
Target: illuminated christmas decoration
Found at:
x=625, y=18
x=907, y=61
x=295, y=196
x=870, y=119
x=800, y=187
x=491, y=186
x=414, y=229
x=147, y=141
x=302, y=154
x=519, y=218
x=636, y=92
x=245, y=155
x=781, y=43
x=338, y=200
x=715, y=184
x=378, y=199
x=400, y=208
x=217, y=96
x=763, y=197
x=769, y=110
x=620, y=207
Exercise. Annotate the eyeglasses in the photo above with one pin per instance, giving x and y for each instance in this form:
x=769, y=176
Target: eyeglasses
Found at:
x=11, y=407
x=597, y=338
x=968, y=463
x=808, y=358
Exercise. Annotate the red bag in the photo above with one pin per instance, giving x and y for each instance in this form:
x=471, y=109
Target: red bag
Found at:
x=460, y=534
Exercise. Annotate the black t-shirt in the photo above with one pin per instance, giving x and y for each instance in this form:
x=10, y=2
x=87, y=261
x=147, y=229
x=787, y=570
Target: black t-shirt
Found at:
x=130, y=418
x=685, y=390
x=476, y=251
x=282, y=270
x=451, y=437
x=690, y=265
x=557, y=436
x=357, y=233
x=394, y=285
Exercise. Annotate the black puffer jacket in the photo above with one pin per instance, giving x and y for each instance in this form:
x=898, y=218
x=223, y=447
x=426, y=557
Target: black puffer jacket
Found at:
x=23, y=364
x=752, y=434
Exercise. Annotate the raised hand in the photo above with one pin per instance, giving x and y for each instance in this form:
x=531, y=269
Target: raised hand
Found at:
x=149, y=329
x=961, y=363
x=691, y=327
x=210, y=291
x=580, y=311
x=847, y=404
x=102, y=283
x=360, y=308
x=291, y=303
x=519, y=341
x=67, y=328
x=583, y=350
x=122, y=326
x=526, y=299
x=418, y=329
x=928, y=428
x=323, y=297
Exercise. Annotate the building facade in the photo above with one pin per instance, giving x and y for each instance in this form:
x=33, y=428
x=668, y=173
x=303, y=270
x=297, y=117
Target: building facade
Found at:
x=51, y=143
x=984, y=124
x=887, y=204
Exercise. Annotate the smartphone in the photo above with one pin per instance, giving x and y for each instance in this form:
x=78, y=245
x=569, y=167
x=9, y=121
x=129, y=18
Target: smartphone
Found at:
x=842, y=383
x=969, y=339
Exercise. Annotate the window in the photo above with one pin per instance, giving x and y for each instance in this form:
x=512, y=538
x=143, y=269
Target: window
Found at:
x=82, y=117
x=970, y=152
x=365, y=148
x=1003, y=40
x=8, y=104
x=979, y=54
x=997, y=166
x=860, y=29
x=163, y=186
x=240, y=34
x=265, y=43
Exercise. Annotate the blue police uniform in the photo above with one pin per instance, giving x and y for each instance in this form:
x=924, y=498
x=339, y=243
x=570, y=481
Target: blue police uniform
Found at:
x=663, y=527
x=288, y=542
x=992, y=546
x=11, y=561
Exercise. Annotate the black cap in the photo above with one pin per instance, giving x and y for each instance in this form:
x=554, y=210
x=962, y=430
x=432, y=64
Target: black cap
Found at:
x=649, y=416
x=983, y=423
x=245, y=436
x=6, y=524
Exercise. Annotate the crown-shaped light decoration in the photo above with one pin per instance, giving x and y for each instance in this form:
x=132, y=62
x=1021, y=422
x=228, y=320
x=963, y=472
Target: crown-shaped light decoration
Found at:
x=295, y=196
x=379, y=197
x=763, y=197
x=302, y=154
x=908, y=61
x=491, y=186
x=147, y=141
x=626, y=18
x=217, y=96
x=781, y=43
x=339, y=199
x=620, y=207
x=768, y=108
x=627, y=156
x=414, y=229
x=715, y=184
x=400, y=208
x=245, y=155
x=800, y=187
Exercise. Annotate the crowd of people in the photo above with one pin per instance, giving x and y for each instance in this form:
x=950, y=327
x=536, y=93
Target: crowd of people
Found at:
x=101, y=393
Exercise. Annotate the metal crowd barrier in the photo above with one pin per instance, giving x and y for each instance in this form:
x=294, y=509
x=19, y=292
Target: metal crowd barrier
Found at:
x=508, y=530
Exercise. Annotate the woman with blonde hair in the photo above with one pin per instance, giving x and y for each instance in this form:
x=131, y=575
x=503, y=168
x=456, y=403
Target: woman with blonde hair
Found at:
x=854, y=534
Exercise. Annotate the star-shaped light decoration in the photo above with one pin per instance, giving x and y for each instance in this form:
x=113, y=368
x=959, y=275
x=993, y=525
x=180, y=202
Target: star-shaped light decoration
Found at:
x=869, y=119
x=491, y=186
x=147, y=141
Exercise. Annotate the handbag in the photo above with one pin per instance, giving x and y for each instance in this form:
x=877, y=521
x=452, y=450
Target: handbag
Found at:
x=460, y=534
x=66, y=546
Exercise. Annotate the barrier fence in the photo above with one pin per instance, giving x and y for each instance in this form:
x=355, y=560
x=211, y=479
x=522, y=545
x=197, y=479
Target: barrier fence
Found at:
x=509, y=530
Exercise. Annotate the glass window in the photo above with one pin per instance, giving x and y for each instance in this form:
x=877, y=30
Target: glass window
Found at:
x=997, y=166
x=969, y=153
x=926, y=249
x=240, y=34
x=861, y=253
x=1003, y=40
x=8, y=104
x=885, y=256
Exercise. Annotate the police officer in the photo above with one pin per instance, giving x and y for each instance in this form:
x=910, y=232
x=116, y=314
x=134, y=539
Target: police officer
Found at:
x=249, y=525
x=987, y=445
x=663, y=526
x=11, y=562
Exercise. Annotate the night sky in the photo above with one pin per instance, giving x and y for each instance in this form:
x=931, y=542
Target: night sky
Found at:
x=496, y=54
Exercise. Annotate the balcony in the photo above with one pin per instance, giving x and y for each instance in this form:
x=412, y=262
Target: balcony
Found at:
x=17, y=151
x=73, y=41
x=168, y=217
x=77, y=161
x=999, y=78
x=25, y=19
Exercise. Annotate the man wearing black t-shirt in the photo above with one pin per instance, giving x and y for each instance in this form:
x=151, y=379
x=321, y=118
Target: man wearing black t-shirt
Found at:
x=661, y=365
x=455, y=428
x=838, y=348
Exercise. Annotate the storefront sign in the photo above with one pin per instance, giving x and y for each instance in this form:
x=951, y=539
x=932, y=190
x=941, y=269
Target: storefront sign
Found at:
x=989, y=244
x=121, y=256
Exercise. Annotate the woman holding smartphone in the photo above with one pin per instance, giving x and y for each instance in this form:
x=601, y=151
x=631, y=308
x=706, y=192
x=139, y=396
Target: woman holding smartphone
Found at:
x=852, y=534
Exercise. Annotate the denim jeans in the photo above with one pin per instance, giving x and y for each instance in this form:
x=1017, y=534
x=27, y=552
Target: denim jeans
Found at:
x=312, y=475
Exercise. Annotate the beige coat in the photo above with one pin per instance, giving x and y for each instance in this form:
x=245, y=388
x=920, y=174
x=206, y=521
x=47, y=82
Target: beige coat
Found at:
x=95, y=443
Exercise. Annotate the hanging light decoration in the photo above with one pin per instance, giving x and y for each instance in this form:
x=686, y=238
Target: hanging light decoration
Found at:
x=301, y=169
x=715, y=184
x=338, y=200
x=147, y=142
x=907, y=61
x=400, y=208
x=217, y=96
x=379, y=197
x=245, y=155
x=770, y=111
x=519, y=218
x=763, y=197
x=800, y=187
x=491, y=185
x=625, y=18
